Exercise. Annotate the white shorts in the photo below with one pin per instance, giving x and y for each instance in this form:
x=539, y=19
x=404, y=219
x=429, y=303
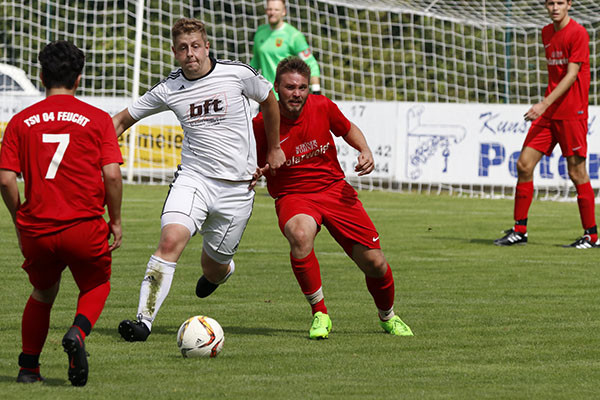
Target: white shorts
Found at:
x=218, y=209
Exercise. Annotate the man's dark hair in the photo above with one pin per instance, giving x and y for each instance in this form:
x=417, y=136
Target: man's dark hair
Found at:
x=292, y=64
x=62, y=62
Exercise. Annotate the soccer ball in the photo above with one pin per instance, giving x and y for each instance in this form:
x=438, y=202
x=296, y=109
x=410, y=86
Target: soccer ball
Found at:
x=200, y=336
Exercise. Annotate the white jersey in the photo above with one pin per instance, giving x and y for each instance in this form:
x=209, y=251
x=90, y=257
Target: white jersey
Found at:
x=215, y=115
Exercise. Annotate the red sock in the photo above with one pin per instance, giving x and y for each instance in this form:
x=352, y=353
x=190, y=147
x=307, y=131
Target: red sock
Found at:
x=90, y=306
x=34, y=326
x=382, y=290
x=585, y=201
x=523, y=199
x=308, y=275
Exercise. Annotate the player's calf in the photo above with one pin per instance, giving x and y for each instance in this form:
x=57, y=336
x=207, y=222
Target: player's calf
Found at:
x=204, y=287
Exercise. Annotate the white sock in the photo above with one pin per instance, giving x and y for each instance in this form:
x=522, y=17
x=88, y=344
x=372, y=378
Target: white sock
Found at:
x=315, y=297
x=155, y=288
x=231, y=270
x=386, y=315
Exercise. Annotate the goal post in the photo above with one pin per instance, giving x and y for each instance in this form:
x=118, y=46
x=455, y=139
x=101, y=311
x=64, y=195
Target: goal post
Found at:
x=371, y=53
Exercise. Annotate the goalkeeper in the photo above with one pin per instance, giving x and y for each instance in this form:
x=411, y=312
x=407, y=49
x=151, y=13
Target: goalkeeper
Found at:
x=277, y=40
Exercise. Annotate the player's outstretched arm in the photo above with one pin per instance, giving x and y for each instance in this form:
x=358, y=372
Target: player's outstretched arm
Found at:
x=113, y=186
x=123, y=121
x=356, y=139
x=270, y=110
x=565, y=84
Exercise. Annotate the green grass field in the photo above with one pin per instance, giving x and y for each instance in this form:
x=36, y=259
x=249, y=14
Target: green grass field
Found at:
x=489, y=322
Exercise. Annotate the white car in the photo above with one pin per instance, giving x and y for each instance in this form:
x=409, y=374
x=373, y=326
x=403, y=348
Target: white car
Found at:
x=14, y=81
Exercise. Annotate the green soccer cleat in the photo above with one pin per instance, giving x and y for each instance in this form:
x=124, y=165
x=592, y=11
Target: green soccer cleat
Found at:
x=395, y=326
x=320, y=327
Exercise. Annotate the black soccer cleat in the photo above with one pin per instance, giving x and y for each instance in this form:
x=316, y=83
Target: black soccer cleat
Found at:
x=204, y=288
x=511, y=238
x=584, y=242
x=75, y=348
x=134, y=331
x=26, y=376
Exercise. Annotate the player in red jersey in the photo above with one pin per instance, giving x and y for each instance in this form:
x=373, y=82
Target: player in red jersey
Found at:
x=561, y=117
x=68, y=155
x=310, y=191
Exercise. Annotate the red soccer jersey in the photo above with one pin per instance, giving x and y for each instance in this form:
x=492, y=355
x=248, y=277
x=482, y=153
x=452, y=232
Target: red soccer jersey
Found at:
x=311, y=158
x=568, y=45
x=60, y=146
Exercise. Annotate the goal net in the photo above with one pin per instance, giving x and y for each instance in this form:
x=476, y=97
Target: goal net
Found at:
x=429, y=51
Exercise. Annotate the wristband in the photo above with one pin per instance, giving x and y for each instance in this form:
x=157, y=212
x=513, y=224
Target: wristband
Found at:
x=315, y=88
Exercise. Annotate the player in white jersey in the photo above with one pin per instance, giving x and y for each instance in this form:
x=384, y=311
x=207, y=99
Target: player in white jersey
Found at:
x=211, y=192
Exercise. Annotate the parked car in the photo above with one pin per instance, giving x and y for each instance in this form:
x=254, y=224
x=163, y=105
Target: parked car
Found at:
x=14, y=81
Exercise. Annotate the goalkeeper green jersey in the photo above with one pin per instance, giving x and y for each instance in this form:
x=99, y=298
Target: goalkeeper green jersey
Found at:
x=271, y=46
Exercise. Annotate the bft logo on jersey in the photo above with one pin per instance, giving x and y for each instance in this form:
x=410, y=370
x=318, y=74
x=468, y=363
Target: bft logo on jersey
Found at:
x=206, y=108
x=215, y=106
x=209, y=111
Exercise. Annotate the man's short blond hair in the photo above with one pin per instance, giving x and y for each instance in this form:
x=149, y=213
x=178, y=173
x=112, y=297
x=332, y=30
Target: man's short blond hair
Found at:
x=188, y=25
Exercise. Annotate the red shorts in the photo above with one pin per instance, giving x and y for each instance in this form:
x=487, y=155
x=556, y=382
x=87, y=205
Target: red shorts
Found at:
x=83, y=247
x=571, y=135
x=338, y=208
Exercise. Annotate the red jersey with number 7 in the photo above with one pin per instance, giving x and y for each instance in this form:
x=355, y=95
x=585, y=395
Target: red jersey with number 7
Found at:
x=568, y=45
x=311, y=158
x=59, y=145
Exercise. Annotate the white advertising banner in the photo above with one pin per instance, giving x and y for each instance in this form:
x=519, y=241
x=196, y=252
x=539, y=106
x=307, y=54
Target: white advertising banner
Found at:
x=380, y=124
x=456, y=143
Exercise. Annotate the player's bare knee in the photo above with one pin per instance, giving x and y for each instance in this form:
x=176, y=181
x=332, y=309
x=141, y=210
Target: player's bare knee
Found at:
x=578, y=174
x=300, y=239
x=379, y=266
x=372, y=262
x=578, y=178
x=47, y=295
x=525, y=169
x=169, y=251
x=167, y=245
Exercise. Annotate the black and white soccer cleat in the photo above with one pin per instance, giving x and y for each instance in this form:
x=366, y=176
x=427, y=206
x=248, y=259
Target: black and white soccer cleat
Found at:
x=584, y=242
x=511, y=238
x=134, y=331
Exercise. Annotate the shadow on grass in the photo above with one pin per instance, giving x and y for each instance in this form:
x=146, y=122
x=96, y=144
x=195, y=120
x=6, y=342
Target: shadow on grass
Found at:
x=236, y=330
x=482, y=241
x=529, y=244
x=113, y=332
x=491, y=243
x=261, y=331
x=47, y=382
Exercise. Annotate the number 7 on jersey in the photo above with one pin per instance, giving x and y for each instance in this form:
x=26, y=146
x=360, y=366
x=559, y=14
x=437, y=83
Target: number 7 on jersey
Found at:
x=63, y=142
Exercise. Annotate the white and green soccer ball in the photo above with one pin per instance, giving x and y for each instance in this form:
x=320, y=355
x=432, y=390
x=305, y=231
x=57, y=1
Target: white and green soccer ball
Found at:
x=200, y=336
